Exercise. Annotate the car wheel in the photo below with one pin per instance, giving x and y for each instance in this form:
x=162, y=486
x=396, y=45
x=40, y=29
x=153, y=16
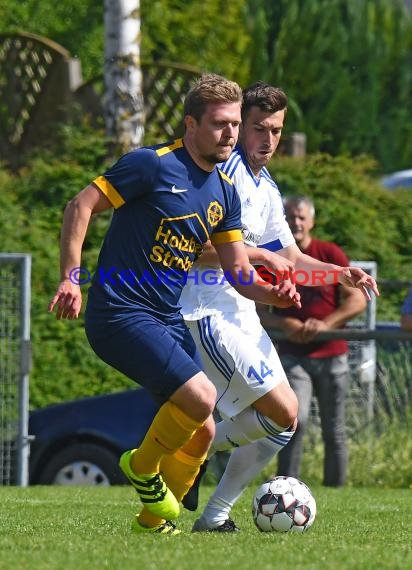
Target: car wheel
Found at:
x=82, y=464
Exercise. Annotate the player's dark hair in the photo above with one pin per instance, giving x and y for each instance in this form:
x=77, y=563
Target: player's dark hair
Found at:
x=210, y=88
x=264, y=96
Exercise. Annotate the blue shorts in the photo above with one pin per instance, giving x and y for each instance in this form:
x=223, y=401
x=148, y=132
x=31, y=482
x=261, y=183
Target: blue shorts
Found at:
x=157, y=355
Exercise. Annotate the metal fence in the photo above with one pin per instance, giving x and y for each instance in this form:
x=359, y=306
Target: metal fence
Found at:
x=362, y=362
x=362, y=357
x=387, y=391
x=15, y=271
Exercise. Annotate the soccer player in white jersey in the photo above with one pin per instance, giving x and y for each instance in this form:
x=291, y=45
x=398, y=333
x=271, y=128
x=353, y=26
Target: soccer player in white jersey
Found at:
x=254, y=399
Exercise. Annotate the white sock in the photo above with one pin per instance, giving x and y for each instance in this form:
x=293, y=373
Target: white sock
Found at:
x=245, y=463
x=248, y=426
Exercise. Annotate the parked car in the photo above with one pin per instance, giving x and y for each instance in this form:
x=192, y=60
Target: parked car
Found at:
x=80, y=442
x=400, y=179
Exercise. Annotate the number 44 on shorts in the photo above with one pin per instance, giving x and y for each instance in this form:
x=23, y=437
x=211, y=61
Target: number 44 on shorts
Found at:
x=264, y=371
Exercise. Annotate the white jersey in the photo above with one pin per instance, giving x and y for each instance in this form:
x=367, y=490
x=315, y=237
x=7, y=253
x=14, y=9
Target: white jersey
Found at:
x=207, y=292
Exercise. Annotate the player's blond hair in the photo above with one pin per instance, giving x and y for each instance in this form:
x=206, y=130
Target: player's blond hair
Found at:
x=211, y=88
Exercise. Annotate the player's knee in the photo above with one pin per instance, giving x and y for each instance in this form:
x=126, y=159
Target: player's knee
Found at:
x=283, y=410
x=206, y=399
x=287, y=413
x=197, y=397
x=286, y=416
x=204, y=435
x=209, y=397
x=294, y=409
x=293, y=427
x=290, y=409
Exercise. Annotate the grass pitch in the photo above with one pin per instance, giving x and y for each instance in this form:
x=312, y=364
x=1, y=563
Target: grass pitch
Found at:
x=87, y=528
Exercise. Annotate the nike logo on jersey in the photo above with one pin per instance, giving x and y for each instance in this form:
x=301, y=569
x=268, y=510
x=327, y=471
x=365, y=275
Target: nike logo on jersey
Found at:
x=178, y=190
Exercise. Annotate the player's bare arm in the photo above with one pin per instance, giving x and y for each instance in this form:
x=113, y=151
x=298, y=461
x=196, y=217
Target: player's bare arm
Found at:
x=356, y=277
x=76, y=219
x=349, y=276
x=272, y=261
x=234, y=259
x=257, y=256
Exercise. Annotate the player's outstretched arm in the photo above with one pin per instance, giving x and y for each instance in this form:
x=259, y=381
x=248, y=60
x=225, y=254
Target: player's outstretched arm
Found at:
x=244, y=278
x=317, y=272
x=76, y=219
x=357, y=277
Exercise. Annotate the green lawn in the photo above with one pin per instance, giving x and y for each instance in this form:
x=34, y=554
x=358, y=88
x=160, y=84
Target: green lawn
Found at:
x=63, y=528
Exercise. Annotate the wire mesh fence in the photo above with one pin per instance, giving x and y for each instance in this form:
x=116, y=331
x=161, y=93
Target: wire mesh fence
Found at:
x=378, y=389
x=14, y=339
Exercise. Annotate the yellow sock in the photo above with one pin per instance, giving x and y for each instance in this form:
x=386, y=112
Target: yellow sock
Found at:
x=179, y=471
x=171, y=428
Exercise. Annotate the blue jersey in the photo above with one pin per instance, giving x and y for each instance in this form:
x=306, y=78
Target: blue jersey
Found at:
x=165, y=209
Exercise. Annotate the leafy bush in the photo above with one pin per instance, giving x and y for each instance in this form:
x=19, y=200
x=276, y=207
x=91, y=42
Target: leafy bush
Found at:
x=31, y=208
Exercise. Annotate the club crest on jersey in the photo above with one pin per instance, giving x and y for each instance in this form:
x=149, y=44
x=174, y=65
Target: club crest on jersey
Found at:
x=214, y=213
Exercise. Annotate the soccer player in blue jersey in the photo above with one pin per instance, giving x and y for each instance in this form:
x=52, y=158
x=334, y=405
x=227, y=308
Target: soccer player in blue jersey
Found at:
x=168, y=201
x=256, y=403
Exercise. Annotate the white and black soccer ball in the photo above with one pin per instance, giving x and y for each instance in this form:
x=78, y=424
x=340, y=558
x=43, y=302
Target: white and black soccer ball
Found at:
x=283, y=504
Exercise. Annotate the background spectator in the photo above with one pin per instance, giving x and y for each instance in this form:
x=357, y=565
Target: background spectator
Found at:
x=314, y=367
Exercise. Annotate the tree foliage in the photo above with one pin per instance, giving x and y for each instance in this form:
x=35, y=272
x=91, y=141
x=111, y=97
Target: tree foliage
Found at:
x=77, y=25
x=345, y=64
x=193, y=32
x=209, y=35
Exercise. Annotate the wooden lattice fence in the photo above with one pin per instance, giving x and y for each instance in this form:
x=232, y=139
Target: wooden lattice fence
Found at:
x=165, y=85
x=40, y=85
x=36, y=80
x=40, y=82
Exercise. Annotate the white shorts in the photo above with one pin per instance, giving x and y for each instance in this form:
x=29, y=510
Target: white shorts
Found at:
x=238, y=357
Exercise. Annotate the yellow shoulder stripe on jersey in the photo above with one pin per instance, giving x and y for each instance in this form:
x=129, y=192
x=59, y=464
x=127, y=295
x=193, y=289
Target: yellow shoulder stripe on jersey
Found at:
x=225, y=177
x=109, y=191
x=226, y=237
x=178, y=143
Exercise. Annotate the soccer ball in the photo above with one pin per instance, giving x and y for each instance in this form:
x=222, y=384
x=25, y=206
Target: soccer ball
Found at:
x=283, y=504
